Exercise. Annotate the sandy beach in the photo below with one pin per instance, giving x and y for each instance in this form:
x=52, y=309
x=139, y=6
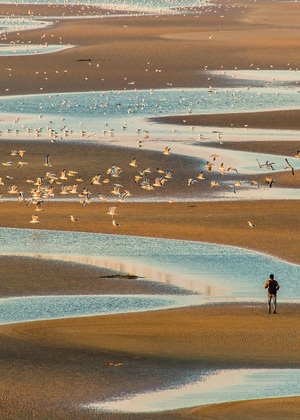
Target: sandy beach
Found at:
x=94, y=358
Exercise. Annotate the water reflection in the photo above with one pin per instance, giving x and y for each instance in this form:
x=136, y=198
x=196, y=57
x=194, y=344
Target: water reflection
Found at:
x=29, y=49
x=225, y=271
x=31, y=308
x=215, y=387
x=20, y=23
x=154, y=6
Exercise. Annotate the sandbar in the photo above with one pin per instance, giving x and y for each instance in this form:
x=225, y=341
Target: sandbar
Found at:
x=79, y=358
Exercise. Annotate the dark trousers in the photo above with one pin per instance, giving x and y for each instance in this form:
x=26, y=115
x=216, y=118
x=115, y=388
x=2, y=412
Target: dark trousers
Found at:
x=272, y=302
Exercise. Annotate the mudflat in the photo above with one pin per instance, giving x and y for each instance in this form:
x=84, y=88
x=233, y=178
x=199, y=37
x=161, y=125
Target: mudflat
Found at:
x=50, y=368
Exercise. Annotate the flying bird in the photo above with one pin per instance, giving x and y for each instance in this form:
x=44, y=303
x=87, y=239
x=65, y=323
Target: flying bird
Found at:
x=103, y=197
x=208, y=166
x=231, y=168
x=200, y=176
x=252, y=225
x=133, y=162
x=269, y=165
x=214, y=184
x=114, y=171
x=191, y=181
x=112, y=211
x=21, y=164
x=214, y=156
x=289, y=166
x=270, y=182
x=34, y=219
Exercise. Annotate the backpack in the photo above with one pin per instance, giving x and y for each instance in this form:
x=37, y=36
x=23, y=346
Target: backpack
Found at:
x=272, y=289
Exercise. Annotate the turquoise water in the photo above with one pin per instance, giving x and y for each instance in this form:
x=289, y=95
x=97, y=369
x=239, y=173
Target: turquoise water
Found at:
x=216, y=272
x=31, y=308
x=153, y=103
x=214, y=387
x=21, y=23
x=141, y=5
x=106, y=114
x=29, y=49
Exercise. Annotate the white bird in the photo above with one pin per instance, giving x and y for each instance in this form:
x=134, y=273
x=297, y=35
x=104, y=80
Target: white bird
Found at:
x=122, y=196
x=39, y=181
x=252, y=225
x=63, y=174
x=13, y=189
x=39, y=206
x=208, y=166
x=269, y=165
x=116, y=190
x=260, y=165
x=168, y=174
x=166, y=151
x=253, y=182
x=214, y=156
x=103, y=197
x=73, y=218
x=289, y=166
x=222, y=168
x=73, y=189
x=71, y=173
x=133, y=162
x=34, y=219
x=270, y=181
x=21, y=197
x=214, y=184
x=64, y=190
x=86, y=199
x=112, y=211
x=21, y=164
x=191, y=181
x=96, y=180
x=114, y=171
x=158, y=182
x=297, y=155
x=115, y=223
x=231, y=168
x=200, y=176
x=146, y=186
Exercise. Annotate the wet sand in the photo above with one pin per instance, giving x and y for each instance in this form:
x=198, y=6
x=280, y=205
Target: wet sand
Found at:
x=153, y=51
x=80, y=367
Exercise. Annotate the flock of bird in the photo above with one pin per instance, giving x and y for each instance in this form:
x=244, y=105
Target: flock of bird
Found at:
x=46, y=185
x=66, y=183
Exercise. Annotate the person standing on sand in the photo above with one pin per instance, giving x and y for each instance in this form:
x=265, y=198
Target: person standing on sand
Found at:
x=272, y=285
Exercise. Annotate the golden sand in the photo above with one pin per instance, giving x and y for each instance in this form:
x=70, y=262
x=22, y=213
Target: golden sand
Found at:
x=73, y=354
x=159, y=51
